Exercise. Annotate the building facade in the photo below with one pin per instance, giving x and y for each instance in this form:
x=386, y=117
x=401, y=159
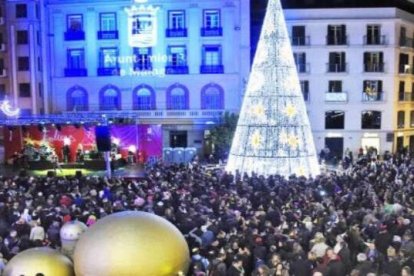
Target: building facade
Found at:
x=356, y=70
x=179, y=64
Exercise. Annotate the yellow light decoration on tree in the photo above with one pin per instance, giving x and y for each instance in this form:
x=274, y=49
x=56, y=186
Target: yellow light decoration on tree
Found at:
x=290, y=111
x=258, y=110
x=256, y=140
x=293, y=142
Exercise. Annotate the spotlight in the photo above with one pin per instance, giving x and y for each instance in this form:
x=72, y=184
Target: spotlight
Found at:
x=132, y=148
x=116, y=141
x=66, y=141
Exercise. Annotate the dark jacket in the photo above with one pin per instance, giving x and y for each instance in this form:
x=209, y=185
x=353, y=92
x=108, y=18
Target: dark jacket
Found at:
x=364, y=268
x=335, y=268
x=392, y=268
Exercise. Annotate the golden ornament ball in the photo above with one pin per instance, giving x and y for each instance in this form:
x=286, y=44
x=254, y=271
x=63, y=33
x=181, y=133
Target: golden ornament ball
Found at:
x=131, y=244
x=39, y=260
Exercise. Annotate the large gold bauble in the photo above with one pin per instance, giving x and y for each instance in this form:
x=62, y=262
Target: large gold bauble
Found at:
x=131, y=244
x=39, y=260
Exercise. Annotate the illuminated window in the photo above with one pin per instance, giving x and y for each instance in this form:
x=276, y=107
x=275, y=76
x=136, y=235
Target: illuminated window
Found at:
x=108, y=21
x=177, y=97
x=176, y=20
x=212, y=97
x=144, y=98
x=110, y=99
x=108, y=58
x=211, y=55
x=212, y=19
x=75, y=58
x=75, y=22
x=177, y=55
x=400, y=119
x=77, y=99
x=142, y=59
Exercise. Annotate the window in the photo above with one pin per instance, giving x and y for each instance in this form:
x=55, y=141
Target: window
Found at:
x=412, y=118
x=76, y=58
x=334, y=120
x=400, y=119
x=1, y=38
x=212, y=55
x=37, y=11
x=144, y=98
x=142, y=59
x=372, y=90
x=177, y=55
x=304, y=85
x=40, y=90
x=337, y=62
x=300, y=60
x=373, y=36
x=23, y=63
x=401, y=91
x=404, y=67
x=110, y=99
x=335, y=86
x=39, y=64
x=403, y=36
x=299, y=36
x=336, y=35
x=77, y=99
x=75, y=22
x=22, y=37
x=212, y=97
x=108, y=58
x=107, y=21
x=21, y=10
x=374, y=62
x=211, y=19
x=371, y=120
x=2, y=92
x=1, y=65
x=24, y=90
x=176, y=20
x=38, y=38
x=177, y=98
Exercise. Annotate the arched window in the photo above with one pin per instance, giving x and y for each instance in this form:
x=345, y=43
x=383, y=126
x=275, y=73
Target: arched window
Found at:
x=110, y=98
x=212, y=97
x=77, y=99
x=177, y=97
x=144, y=97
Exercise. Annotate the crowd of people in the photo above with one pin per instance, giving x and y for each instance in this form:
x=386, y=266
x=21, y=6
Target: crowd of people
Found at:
x=353, y=222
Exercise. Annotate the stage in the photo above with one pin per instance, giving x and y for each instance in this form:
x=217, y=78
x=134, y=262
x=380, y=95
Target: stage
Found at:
x=128, y=171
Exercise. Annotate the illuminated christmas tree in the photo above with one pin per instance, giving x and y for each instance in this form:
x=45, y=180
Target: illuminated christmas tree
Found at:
x=273, y=135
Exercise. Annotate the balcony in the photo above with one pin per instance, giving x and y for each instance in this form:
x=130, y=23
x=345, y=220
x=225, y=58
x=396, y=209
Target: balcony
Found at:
x=337, y=97
x=212, y=31
x=2, y=47
x=372, y=96
x=303, y=68
x=143, y=67
x=3, y=73
x=176, y=69
x=108, y=34
x=211, y=69
x=337, y=67
x=76, y=72
x=374, y=67
x=336, y=40
x=300, y=41
x=375, y=40
x=108, y=71
x=71, y=35
x=406, y=42
x=176, y=32
x=405, y=96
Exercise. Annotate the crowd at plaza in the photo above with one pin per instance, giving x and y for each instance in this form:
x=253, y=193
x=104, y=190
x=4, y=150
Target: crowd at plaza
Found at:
x=357, y=222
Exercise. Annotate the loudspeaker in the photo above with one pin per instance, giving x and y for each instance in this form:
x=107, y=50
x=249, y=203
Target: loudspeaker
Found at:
x=78, y=174
x=51, y=174
x=103, y=138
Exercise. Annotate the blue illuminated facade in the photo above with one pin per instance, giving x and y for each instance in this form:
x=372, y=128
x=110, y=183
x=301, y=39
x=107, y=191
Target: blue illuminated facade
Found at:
x=174, y=63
